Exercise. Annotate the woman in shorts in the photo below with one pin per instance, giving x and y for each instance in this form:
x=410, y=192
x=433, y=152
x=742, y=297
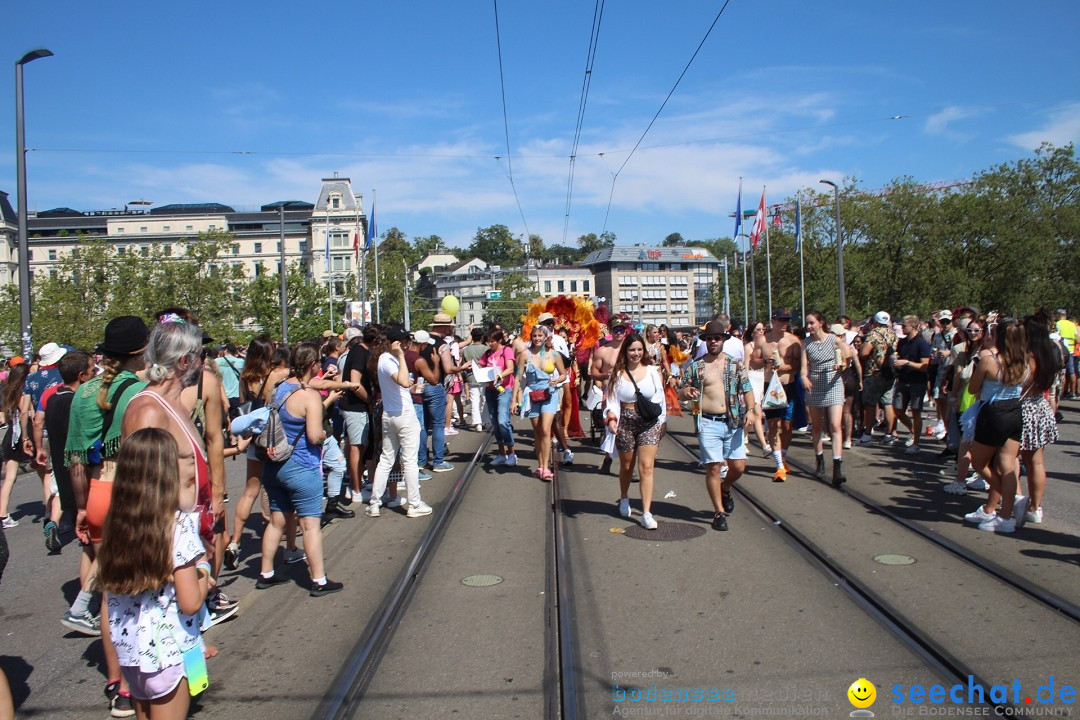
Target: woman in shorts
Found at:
x=634, y=371
x=1039, y=427
x=540, y=370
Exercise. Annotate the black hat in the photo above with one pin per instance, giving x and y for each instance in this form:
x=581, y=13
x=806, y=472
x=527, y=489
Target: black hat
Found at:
x=715, y=327
x=124, y=335
x=781, y=314
x=397, y=333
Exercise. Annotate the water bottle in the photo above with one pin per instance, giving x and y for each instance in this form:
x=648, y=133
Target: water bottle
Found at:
x=839, y=356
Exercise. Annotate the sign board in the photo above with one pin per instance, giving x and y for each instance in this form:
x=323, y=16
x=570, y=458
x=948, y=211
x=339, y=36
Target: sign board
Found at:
x=494, y=295
x=357, y=312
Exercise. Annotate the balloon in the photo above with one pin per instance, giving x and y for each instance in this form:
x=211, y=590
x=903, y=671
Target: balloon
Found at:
x=450, y=305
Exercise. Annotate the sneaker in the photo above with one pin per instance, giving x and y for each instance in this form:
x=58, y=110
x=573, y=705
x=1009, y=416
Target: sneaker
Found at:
x=956, y=488
x=1020, y=506
x=890, y=439
x=912, y=450
x=418, y=510
x=511, y=459
x=978, y=516
x=940, y=435
x=294, y=556
x=910, y=442
x=231, y=558
x=52, y=537
x=780, y=475
x=478, y=428
x=442, y=467
x=450, y=431
x=499, y=460
x=567, y=457
x=647, y=521
x=220, y=616
x=372, y=510
x=728, y=502
x=423, y=475
x=866, y=439
x=999, y=525
x=1034, y=517
x=84, y=623
x=719, y=521
x=9, y=522
x=121, y=706
x=225, y=497
x=334, y=509
x=976, y=483
x=847, y=444
x=399, y=501
x=269, y=582
x=326, y=588
x=221, y=601
x=624, y=507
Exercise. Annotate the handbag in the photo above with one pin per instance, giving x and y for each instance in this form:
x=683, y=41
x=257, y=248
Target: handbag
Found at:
x=647, y=410
x=775, y=397
x=540, y=397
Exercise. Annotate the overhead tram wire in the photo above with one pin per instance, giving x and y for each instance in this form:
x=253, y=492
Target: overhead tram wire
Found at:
x=506, y=124
x=590, y=61
x=662, y=105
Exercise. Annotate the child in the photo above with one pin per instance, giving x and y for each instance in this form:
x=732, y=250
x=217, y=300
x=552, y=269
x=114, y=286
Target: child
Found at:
x=153, y=566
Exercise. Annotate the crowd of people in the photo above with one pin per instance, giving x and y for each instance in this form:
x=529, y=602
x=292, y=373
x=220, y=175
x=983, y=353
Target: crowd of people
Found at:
x=129, y=440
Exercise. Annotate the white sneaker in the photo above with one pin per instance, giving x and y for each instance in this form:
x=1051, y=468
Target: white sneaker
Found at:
x=647, y=521
x=419, y=510
x=478, y=428
x=910, y=441
x=890, y=439
x=1020, y=506
x=372, y=510
x=624, y=507
x=450, y=431
x=977, y=484
x=847, y=444
x=567, y=457
x=978, y=516
x=999, y=525
x=511, y=459
x=499, y=460
x=9, y=522
x=866, y=439
x=397, y=502
x=1034, y=517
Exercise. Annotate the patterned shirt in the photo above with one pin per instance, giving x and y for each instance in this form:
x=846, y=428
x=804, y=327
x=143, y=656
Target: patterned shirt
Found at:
x=736, y=385
x=881, y=339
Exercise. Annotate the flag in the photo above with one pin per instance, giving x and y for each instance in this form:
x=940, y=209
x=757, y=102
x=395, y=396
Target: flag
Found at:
x=798, y=223
x=759, y=223
x=356, y=243
x=372, y=233
x=778, y=219
x=738, y=215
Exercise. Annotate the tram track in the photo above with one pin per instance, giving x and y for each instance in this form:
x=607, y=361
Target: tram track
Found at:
x=952, y=669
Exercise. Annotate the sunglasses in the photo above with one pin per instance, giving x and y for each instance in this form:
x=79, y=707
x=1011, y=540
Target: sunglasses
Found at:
x=618, y=331
x=716, y=338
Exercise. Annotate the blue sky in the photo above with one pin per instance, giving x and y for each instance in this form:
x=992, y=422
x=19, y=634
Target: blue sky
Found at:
x=158, y=101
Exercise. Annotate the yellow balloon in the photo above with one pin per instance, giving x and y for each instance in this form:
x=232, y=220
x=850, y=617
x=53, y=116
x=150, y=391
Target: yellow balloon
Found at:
x=450, y=305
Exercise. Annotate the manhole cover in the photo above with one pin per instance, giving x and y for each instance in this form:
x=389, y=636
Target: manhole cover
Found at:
x=481, y=580
x=894, y=559
x=665, y=531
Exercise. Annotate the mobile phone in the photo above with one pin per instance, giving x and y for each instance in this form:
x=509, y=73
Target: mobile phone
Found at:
x=195, y=669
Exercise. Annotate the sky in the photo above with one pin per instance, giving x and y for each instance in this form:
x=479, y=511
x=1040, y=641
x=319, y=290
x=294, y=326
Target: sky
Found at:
x=247, y=103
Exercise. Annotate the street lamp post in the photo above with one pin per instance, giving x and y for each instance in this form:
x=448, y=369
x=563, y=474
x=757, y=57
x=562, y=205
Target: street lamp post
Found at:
x=282, y=274
x=839, y=244
x=20, y=161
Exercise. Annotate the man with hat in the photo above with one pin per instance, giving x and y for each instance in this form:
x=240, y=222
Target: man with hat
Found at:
x=442, y=328
x=603, y=363
x=30, y=415
x=780, y=353
x=875, y=356
x=940, y=369
x=726, y=408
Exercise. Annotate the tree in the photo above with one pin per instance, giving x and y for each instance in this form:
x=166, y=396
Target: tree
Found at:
x=495, y=245
x=674, y=240
x=516, y=293
x=306, y=301
x=593, y=242
x=428, y=245
x=536, y=247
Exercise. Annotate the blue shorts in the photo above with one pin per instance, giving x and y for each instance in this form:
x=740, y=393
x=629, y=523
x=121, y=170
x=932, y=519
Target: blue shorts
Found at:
x=1070, y=364
x=293, y=487
x=785, y=413
x=551, y=406
x=719, y=441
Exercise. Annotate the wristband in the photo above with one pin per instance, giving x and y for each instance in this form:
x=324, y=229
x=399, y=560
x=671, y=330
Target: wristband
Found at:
x=204, y=567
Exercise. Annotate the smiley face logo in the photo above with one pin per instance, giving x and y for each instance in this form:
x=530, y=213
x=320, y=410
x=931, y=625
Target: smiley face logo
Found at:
x=862, y=693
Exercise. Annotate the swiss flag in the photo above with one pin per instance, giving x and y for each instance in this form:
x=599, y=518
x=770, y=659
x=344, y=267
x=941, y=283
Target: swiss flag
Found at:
x=759, y=223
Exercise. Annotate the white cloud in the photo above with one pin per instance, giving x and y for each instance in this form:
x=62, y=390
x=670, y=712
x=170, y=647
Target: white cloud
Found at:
x=1063, y=127
x=938, y=123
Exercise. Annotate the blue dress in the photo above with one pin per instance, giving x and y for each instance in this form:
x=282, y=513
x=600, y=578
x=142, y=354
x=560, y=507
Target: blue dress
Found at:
x=537, y=379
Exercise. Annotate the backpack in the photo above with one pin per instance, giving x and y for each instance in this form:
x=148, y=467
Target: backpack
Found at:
x=272, y=444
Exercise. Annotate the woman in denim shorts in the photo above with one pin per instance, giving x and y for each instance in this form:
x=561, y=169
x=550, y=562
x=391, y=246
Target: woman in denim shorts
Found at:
x=539, y=370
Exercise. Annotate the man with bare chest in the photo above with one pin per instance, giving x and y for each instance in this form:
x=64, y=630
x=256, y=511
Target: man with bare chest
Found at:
x=603, y=363
x=780, y=352
x=726, y=406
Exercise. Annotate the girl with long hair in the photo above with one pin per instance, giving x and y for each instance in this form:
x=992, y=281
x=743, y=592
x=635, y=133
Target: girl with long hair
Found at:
x=965, y=355
x=755, y=370
x=1037, y=415
x=999, y=381
x=634, y=371
x=499, y=394
x=155, y=569
x=258, y=378
x=823, y=364
x=296, y=484
x=540, y=369
x=12, y=451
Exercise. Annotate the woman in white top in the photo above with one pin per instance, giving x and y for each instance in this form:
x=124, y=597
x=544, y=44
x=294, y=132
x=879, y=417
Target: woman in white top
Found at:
x=628, y=431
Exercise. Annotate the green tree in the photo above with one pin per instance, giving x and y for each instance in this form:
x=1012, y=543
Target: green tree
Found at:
x=517, y=292
x=674, y=240
x=305, y=300
x=593, y=242
x=495, y=245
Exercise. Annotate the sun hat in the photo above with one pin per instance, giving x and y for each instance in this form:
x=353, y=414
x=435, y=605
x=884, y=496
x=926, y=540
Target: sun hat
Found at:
x=441, y=319
x=51, y=353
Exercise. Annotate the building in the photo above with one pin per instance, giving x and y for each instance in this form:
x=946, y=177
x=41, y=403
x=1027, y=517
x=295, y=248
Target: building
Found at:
x=670, y=285
x=9, y=236
x=319, y=236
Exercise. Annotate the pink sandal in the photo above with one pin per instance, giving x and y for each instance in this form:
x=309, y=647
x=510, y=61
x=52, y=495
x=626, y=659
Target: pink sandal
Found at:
x=546, y=475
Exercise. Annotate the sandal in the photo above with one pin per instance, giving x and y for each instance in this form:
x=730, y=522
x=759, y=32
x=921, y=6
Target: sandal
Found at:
x=546, y=475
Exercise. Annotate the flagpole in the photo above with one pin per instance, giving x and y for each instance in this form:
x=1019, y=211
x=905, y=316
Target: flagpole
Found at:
x=768, y=256
x=753, y=280
x=745, y=294
x=408, y=321
x=375, y=250
x=361, y=276
x=798, y=241
x=727, y=291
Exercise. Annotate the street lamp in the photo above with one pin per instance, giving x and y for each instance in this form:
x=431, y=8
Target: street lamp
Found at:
x=839, y=244
x=20, y=161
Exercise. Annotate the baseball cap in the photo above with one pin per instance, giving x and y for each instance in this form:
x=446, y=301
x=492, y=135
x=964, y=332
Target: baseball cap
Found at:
x=397, y=333
x=882, y=318
x=945, y=315
x=423, y=337
x=838, y=329
x=781, y=314
x=617, y=322
x=544, y=317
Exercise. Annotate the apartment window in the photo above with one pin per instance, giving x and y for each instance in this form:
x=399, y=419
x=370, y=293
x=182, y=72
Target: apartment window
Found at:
x=212, y=227
x=279, y=247
x=585, y=286
x=168, y=251
x=119, y=230
x=52, y=274
x=144, y=250
x=675, y=267
x=341, y=263
x=573, y=286
x=335, y=203
x=191, y=228
x=303, y=246
x=166, y=228
x=121, y=250
x=236, y=248
x=339, y=239
x=142, y=228
x=650, y=266
x=258, y=269
x=547, y=286
x=52, y=254
x=258, y=248
x=562, y=286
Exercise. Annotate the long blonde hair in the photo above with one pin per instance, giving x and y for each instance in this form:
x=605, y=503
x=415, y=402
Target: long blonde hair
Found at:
x=137, y=540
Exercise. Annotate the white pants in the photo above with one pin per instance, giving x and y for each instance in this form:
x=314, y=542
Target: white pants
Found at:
x=400, y=432
x=477, y=400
